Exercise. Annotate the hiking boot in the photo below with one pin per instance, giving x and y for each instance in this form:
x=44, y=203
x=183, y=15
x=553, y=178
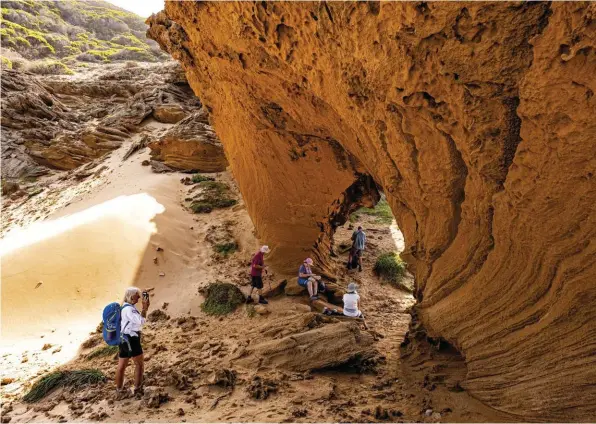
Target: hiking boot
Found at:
x=349, y=265
x=263, y=300
x=314, y=297
x=249, y=299
x=359, y=268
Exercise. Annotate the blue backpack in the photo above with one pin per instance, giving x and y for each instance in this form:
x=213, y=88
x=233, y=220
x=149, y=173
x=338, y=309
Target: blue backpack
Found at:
x=111, y=323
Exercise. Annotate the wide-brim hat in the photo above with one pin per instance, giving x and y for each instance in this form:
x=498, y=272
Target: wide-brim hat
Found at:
x=352, y=287
x=265, y=249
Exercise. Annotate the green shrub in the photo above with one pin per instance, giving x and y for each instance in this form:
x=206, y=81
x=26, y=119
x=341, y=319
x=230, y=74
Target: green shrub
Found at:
x=102, y=351
x=198, y=178
x=390, y=268
x=226, y=249
x=251, y=311
x=6, y=62
x=214, y=195
x=49, y=67
x=382, y=212
x=222, y=298
x=53, y=380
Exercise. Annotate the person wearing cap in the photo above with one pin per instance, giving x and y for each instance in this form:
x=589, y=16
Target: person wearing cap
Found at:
x=352, y=302
x=307, y=279
x=257, y=266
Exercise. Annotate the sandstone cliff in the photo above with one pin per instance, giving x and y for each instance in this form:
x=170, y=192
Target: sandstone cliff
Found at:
x=477, y=122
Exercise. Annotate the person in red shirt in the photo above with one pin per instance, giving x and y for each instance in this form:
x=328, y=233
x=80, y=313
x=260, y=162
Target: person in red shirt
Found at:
x=257, y=266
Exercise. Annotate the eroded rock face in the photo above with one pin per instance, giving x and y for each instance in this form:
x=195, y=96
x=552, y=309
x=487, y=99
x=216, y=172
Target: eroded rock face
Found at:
x=476, y=120
x=191, y=145
x=63, y=122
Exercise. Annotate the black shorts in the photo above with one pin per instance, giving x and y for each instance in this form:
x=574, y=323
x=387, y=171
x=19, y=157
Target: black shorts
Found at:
x=257, y=282
x=134, y=350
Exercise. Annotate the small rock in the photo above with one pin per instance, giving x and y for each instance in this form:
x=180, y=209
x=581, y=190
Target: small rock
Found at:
x=162, y=274
x=180, y=412
x=428, y=412
x=46, y=346
x=5, y=419
x=436, y=416
x=145, y=163
x=159, y=249
x=7, y=380
x=301, y=308
x=261, y=309
x=155, y=260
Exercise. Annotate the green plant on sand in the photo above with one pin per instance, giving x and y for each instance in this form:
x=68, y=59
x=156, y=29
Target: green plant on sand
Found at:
x=226, y=249
x=214, y=195
x=222, y=298
x=391, y=268
x=55, y=379
x=198, y=178
x=102, y=351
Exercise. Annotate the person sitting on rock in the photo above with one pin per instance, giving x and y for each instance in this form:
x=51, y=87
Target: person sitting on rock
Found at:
x=352, y=302
x=257, y=266
x=131, y=323
x=307, y=279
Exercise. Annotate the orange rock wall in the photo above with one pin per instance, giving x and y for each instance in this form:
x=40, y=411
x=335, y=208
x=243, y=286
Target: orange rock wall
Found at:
x=476, y=119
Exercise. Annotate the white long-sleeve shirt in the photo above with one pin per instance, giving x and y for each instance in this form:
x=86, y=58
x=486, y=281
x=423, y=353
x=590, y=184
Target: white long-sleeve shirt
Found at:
x=131, y=320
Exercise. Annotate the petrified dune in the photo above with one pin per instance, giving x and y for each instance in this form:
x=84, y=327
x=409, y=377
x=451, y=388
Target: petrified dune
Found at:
x=476, y=119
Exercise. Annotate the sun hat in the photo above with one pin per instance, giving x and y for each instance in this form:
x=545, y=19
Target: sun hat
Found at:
x=352, y=287
x=308, y=261
x=265, y=249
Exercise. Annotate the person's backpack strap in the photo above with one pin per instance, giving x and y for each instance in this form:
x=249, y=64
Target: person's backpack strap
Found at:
x=122, y=335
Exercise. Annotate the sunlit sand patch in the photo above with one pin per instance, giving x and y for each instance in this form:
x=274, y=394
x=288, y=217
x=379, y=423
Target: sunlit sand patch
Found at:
x=58, y=275
x=397, y=236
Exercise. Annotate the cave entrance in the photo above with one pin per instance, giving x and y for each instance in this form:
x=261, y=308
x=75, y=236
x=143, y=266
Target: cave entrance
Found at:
x=384, y=283
x=380, y=260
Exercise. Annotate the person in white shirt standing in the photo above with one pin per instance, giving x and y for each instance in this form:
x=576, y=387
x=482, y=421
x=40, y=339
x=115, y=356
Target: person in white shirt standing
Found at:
x=130, y=327
x=352, y=302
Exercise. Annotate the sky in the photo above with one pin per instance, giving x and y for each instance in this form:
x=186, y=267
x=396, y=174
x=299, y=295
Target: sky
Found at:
x=142, y=8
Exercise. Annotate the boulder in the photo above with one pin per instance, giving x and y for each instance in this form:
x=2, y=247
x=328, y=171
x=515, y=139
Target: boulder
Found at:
x=324, y=347
x=191, y=145
x=293, y=289
x=169, y=113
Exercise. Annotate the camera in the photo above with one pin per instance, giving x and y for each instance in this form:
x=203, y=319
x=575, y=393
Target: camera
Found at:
x=145, y=296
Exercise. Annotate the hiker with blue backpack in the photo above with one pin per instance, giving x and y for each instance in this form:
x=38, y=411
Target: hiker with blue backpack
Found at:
x=122, y=327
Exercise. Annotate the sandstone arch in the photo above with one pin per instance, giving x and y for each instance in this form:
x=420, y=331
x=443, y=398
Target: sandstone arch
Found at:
x=476, y=119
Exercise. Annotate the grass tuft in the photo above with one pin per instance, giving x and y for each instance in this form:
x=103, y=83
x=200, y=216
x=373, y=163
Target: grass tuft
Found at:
x=53, y=380
x=390, y=268
x=102, y=351
x=222, y=298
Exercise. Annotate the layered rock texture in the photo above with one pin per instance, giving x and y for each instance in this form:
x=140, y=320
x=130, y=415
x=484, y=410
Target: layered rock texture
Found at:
x=476, y=119
x=191, y=145
x=63, y=122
